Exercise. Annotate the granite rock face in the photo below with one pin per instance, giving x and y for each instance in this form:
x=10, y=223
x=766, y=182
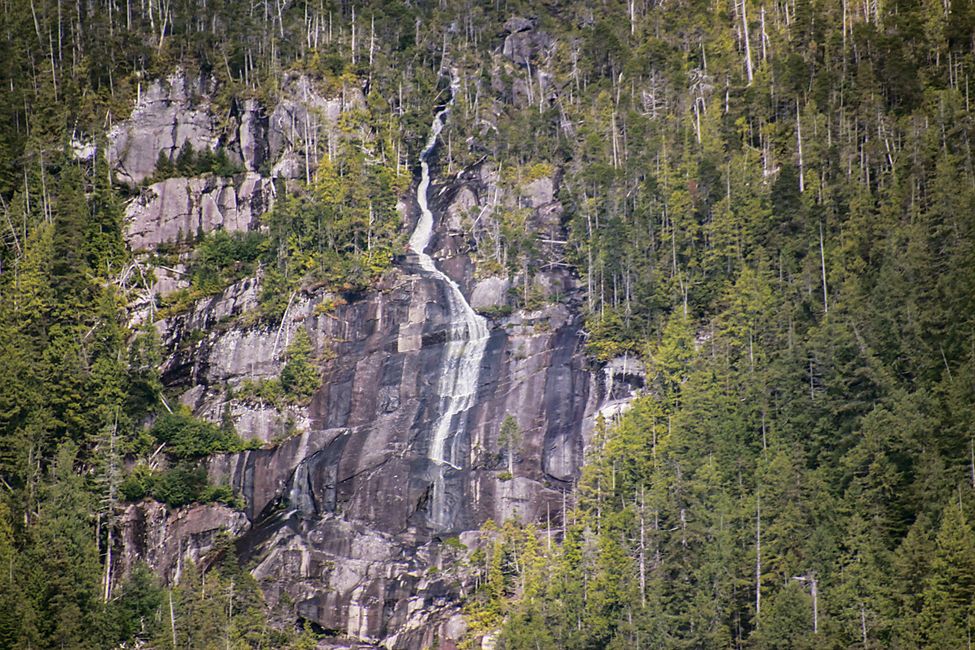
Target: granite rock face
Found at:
x=180, y=209
x=284, y=140
x=273, y=145
x=168, y=114
x=522, y=41
x=149, y=530
x=340, y=517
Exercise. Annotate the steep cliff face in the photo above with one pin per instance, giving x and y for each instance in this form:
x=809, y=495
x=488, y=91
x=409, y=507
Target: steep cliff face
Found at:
x=346, y=507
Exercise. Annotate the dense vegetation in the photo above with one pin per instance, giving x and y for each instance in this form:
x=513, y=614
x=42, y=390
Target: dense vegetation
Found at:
x=84, y=421
x=772, y=204
x=782, y=229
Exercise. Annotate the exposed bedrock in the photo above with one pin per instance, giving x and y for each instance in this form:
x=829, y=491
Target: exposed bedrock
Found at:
x=341, y=515
x=181, y=209
x=346, y=513
x=272, y=139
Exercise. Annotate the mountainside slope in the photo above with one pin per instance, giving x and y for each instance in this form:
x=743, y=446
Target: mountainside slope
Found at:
x=521, y=325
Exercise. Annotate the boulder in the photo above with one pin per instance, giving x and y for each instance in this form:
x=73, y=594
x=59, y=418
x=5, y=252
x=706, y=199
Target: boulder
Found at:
x=522, y=42
x=490, y=292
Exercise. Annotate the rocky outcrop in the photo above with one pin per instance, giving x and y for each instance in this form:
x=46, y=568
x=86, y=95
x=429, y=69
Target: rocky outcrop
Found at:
x=284, y=140
x=166, y=540
x=167, y=114
x=181, y=209
x=252, y=136
x=346, y=514
x=305, y=116
x=340, y=519
x=522, y=41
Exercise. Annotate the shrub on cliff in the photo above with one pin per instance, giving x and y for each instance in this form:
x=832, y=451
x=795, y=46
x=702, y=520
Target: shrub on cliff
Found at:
x=183, y=484
x=222, y=258
x=299, y=378
x=187, y=436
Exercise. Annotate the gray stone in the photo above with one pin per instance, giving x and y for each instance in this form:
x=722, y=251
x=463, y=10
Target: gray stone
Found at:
x=540, y=191
x=339, y=521
x=490, y=292
x=523, y=42
x=166, y=539
x=252, y=135
x=462, y=209
x=181, y=209
x=357, y=477
x=517, y=24
x=297, y=120
x=166, y=116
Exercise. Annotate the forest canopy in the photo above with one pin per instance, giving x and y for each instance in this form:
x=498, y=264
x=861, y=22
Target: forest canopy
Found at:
x=770, y=203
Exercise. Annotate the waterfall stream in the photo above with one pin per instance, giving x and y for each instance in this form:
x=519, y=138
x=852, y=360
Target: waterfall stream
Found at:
x=467, y=331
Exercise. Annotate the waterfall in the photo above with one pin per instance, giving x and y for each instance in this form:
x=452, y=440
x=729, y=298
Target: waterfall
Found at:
x=467, y=332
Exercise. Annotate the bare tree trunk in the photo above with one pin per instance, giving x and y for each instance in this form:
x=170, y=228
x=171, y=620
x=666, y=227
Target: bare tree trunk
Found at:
x=844, y=24
x=822, y=261
x=279, y=5
x=172, y=616
x=802, y=169
x=758, y=558
x=815, y=597
x=971, y=444
x=107, y=586
x=372, y=42
x=643, y=546
x=863, y=625
x=748, y=47
x=548, y=526
x=765, y=39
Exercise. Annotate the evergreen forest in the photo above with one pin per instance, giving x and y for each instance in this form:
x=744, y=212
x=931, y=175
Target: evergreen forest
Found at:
x=768, y=204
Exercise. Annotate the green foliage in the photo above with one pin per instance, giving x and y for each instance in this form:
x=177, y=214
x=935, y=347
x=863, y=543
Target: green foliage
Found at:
x=185, y=439
x=261, y=391
x=137, y=484
x=62, y=562
x=341, y=230
x=104, y=246
x=179, y=485
x=10, y=596
x=299, y=377
x=69, y=267
x=182, y=484
x=800, y=308
x=609, y=336
x=949, y=591
x=786, y=242
x=188, y=437
x=189, y=162
x=509, y=442
x=218, y=260
x=496, y=311
x=133, y=614
x=221, y=258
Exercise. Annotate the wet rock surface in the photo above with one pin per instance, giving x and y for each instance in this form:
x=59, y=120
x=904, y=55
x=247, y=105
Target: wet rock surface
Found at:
x=353, y=488
x=340, y=518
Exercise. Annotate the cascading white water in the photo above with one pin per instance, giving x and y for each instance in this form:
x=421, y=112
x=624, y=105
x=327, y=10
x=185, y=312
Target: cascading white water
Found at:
x=467, y=332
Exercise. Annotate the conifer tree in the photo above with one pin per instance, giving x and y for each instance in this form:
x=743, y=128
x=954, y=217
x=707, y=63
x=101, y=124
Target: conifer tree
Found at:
x=949, y=590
